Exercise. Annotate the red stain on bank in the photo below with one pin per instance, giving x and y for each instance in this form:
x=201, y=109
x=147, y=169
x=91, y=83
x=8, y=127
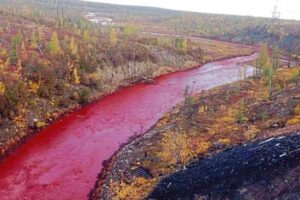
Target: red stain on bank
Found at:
x=62, y=161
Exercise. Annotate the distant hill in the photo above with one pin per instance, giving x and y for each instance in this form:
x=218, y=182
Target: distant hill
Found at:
x=251, y=30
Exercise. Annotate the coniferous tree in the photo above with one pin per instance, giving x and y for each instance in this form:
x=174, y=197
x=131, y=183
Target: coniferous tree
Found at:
x=13, y=52
x=53, y=45
x=73, y=46
x=75, y=76
x=33, y=40
x=112, y=36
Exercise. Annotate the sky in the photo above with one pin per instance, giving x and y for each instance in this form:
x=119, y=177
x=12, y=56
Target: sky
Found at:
x=290, y=9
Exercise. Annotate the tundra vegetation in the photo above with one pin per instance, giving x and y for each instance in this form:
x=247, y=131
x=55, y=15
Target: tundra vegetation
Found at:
x=53, y=59
x=206, y=124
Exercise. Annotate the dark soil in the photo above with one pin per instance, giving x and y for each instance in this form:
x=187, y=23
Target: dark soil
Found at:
x=265, y=169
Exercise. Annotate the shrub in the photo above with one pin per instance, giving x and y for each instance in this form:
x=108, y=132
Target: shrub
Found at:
x=13, y=98
x=175, y=148
x=297, y=110
x=84, y=95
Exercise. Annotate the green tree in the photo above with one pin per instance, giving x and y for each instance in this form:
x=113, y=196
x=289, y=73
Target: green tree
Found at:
x=129, y=31
x=268, y=66
x=181, y=45
x=275, y=58
x=263, y=60
x=53, y=45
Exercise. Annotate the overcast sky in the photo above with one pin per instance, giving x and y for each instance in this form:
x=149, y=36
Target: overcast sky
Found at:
x=290, y=9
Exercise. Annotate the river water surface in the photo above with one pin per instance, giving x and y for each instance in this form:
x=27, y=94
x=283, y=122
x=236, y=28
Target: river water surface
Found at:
x=62, y=161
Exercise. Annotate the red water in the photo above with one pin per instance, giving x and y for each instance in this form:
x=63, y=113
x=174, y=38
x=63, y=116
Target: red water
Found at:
x=62, y=162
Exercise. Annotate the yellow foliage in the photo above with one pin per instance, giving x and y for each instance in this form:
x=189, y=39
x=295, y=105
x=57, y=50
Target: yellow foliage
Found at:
x=86, y=36
x=20, y=119
x=3, y=52
x=294, y=121
x=96, y=76
x=297, y=109
x=73, y=46
x=164, y=120
x=7, y=62
x=33, y=87
x=53, y=45
x=224, y=141
x=202, y=109
x=33, y=42
x=283, y=76
x=2, y=88
x=226, y=120
x=39, y=124
x=251, y=133
x=76, y=78
x=112, y=36
x=175, y=148
x=133, y=191
x=184, y=46
x=200, y=147
x=211, y=131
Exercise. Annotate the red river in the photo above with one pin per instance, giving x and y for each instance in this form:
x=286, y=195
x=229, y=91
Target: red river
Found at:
x=62, y=162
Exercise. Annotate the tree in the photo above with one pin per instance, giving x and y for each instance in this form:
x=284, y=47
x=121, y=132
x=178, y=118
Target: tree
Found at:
x=23, y=52
x=275, y=58
x=86, y=36
x=184, y=46
x=3, y=52
x=2, y=88
x=75, y=77
x=112, y=36
x=175, y=148
x=266, y=67
x=73, y=46
x=41, y=35
x=53, y=45
x=181, y=45
x=33, y=40
x=263, y=60
x=129, y=31
x=13, y=52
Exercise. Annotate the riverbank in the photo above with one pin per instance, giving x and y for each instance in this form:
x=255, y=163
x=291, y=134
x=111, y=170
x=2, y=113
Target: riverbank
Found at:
x=6, y=148
x=70, y=152
x=39, y=110
x=203, y=126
